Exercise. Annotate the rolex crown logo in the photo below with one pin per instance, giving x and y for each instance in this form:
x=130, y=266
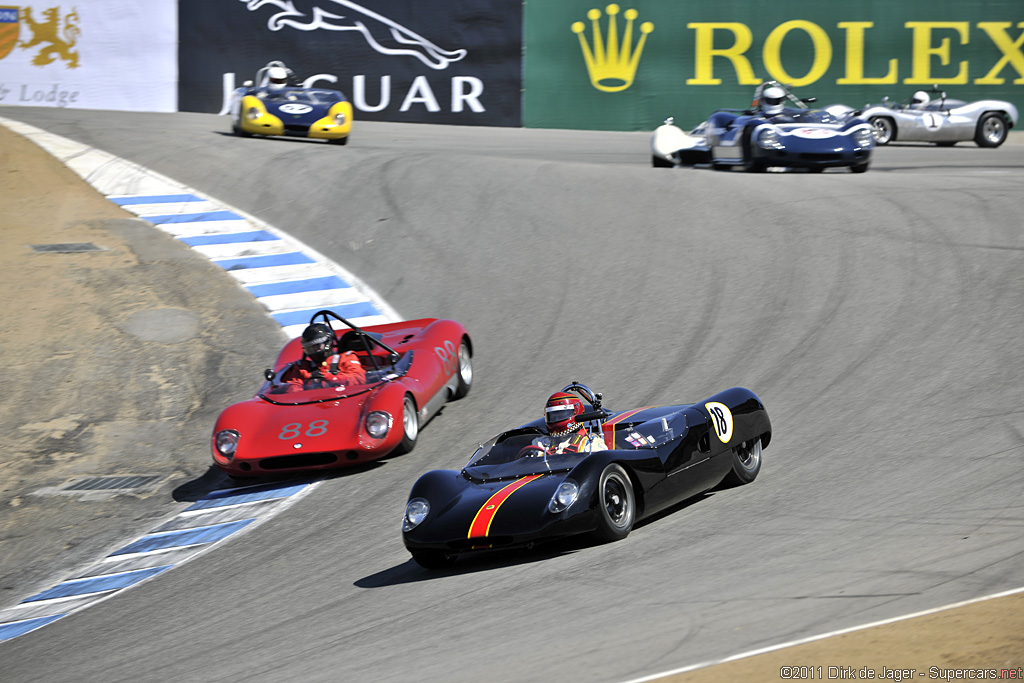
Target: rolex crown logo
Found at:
x=612, y=66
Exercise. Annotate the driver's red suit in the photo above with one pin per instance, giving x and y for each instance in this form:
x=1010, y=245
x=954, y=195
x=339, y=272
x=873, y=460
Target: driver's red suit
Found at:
x=337, y=370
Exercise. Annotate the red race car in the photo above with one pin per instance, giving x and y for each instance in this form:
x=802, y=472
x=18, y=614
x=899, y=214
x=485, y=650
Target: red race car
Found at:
x=393, y=379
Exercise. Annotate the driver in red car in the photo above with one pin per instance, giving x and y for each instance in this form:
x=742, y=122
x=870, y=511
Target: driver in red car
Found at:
x=565, y=435
x=322, y=365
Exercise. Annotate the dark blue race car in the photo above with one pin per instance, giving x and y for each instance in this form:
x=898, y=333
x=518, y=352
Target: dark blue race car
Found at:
x=270, y=106
x=778, y=130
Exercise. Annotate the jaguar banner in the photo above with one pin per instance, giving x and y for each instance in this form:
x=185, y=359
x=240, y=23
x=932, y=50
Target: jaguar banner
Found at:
x=629, y=65
x=426, y=61
x=90, y=54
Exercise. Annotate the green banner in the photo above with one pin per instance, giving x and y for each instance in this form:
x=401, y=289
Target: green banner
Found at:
x=627, y=66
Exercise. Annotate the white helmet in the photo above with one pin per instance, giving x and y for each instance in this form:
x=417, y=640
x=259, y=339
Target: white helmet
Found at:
x=919, y=99
x=772, y=99
x=277, y=77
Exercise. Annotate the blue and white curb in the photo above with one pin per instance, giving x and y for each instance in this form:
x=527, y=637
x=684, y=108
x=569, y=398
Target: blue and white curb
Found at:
x=292, y=280
x=197, y=529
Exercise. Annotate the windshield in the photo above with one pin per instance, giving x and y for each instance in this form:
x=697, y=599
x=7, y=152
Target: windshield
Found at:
x=306, y=96
x=288, y=387
x=520, y=452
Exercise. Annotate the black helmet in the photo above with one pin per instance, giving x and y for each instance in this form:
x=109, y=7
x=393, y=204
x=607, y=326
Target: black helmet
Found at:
x=317, y=341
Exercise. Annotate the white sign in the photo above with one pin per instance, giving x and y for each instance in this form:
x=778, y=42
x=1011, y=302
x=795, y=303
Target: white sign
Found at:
x=90, y=54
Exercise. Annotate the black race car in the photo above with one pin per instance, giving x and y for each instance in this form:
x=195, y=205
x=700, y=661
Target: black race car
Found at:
x=517, y=490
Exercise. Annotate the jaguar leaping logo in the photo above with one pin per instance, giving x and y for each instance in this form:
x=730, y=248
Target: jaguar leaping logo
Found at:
x=61, y=39
x=383, y=35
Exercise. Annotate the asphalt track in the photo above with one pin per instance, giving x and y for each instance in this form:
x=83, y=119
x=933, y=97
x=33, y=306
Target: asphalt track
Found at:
x=877, y=316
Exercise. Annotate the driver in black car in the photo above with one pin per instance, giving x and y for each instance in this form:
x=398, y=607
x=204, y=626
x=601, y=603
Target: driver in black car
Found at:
x=565, y=435
x=321, y=365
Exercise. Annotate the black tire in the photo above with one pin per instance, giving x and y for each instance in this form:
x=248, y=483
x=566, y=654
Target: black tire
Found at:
x=410, y=426
x=658, y=162
x=616, y=504
x=465, y=371
x=946, y=143
x=751, y=165
x=992, y=130
x=884, y=129
x=746, y=463
x=860, y=168
x=339, y=141
x=237, y=130
x=433, y=559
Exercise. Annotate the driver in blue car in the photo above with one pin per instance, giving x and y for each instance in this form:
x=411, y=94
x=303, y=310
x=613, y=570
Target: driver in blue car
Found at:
x=565, y=434
x=773, y=101
x=322, y=365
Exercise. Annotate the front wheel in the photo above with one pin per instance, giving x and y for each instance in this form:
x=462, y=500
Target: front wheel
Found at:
x=339, y=141
x=616, y=504
x=860, y=168
x=658, y=162
x=465, y=371
x=410, y=426
x=884, y=129
x=991, y=131
x=746, y=463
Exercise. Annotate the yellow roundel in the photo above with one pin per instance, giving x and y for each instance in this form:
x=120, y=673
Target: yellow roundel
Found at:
x=721, y=418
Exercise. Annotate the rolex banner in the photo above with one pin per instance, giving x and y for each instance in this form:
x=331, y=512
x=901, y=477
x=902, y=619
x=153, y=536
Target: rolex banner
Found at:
x=424, y=61
x=89, y=54
x=629, y=66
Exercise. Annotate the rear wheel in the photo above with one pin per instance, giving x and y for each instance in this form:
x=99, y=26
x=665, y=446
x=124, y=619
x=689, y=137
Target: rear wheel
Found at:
x=410, y=426
x=991, y=130
x=432, y=559
x=884, y=129
x=465, y=371
x=746, y=463
x=616, y=504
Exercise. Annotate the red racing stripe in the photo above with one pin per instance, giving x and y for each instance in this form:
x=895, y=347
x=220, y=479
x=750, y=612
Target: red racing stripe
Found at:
x=481, y=525
x=610, y=433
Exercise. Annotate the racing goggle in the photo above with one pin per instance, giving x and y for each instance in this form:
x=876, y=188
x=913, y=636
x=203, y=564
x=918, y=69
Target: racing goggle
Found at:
x=555, y=414
x=316, y=346
x=773, y=100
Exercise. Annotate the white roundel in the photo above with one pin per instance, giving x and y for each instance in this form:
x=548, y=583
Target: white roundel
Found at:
x=932, y=121
x=295, y=108
x=721, y=418
x=814, y=133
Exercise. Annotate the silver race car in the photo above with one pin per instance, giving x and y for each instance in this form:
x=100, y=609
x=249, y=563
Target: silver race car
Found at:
x=922, y=118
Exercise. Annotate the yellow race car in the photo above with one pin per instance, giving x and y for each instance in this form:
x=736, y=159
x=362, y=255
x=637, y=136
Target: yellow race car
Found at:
x=271, y=107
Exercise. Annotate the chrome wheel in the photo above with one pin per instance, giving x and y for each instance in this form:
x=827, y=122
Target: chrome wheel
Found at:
x=884, y=130
x=465, y=370
x=991, y=130
x=410, y=427
x=410, y=421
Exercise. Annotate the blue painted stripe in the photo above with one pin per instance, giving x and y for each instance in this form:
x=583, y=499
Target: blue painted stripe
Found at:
x=176, y=539
x=315, y=284
x=230, y=238
x=228, y=497
x=157, y=199
x=20, y=628
x=292, y=258
x=356, y=310
x=97, y=584
x=194, y=217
